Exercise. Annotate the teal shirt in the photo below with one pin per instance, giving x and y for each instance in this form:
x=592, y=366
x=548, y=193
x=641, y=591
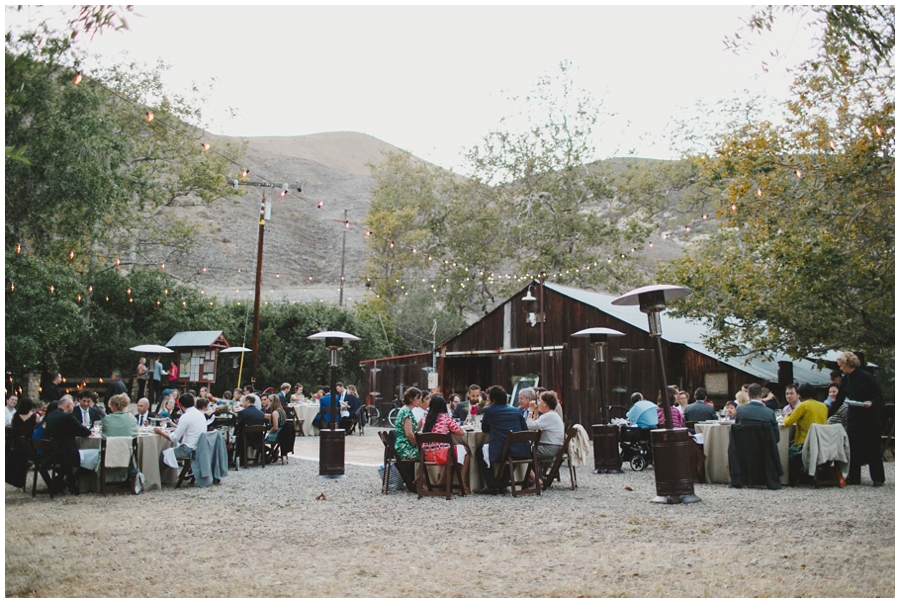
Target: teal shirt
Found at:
x=119, y=425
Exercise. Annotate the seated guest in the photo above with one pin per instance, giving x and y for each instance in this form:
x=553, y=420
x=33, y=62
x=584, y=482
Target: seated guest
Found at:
x=677, y=417
x=350, y=405
x=682, y=399
x=11, y=405
x=297, y=397
x=248, y=416
x=438, y=421
x=84, y=412
x=38, y=433
x=805, y=414
x=741, y=398
x=498, y=420
x=553, y=431
x=829, y=401
x=459, y=411
x=144, y=414
x=23, y=425
x=793, y=399
x=322, y=419
x=839, y=417
x=753, y=453
x=406, y=425
x=276, y=416
x=698, y=410
x=168, y=411
x=756, y=412
x=527, y=401
x=769, y=399
x=191, y=426
x=119, y=422
x=63, y=427
x=731, y=409
x=421, y=409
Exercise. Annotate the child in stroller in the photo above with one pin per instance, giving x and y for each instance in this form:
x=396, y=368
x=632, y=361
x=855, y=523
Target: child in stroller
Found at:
x=635, y=443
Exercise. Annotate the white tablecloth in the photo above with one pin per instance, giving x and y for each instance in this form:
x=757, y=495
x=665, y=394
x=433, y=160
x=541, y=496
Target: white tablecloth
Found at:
x=716, y=437
x=307, y=412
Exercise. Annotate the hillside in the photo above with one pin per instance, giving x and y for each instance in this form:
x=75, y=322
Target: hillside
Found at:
x=302, y=253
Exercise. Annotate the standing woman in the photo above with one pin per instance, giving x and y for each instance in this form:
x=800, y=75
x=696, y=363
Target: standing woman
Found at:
x=863, y=422
x=173, y=375
x=142, y=374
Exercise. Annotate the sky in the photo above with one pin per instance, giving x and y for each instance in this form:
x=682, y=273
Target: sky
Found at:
x=435, y=80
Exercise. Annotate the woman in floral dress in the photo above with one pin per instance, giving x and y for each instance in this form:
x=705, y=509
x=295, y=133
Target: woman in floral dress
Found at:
x=407, y=427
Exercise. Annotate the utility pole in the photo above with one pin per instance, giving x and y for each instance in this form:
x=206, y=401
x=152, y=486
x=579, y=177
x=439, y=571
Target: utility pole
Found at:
x=264, y=212
x=346, y=224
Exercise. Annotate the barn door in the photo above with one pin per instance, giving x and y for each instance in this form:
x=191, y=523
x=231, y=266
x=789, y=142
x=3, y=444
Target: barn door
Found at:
x=631, y=370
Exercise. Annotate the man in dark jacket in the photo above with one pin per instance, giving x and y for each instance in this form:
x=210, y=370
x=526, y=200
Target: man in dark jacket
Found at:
x=63, y=427
x=115, y=388
x=699, y=410
x=754, y=460
x=498, y=420
x=84, y=412
x=246, y=417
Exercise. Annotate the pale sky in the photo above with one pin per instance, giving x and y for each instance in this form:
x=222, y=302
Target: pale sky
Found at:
x=434, y=80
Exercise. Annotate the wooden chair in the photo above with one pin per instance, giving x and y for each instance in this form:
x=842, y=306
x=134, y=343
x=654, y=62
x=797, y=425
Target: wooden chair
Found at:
x=405, y=467
x=256, y=433
x=298, y=426
x=44, y=465
x=444, y=487
x=130, y=480
x=690, y=425
x=508, y=462
x=563, y=455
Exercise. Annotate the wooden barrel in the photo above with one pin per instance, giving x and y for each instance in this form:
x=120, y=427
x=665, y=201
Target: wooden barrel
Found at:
x=607, y=458
x=672, y=462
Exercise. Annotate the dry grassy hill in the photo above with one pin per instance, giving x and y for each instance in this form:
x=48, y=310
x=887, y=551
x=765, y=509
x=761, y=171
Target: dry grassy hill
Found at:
x=302, y=240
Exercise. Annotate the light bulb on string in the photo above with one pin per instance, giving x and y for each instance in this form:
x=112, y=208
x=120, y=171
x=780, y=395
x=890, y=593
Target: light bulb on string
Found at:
x=157, y=302
x=832, y=145
x=107, y=298
x=205, y=146
x=162, y=266
x=391, y=245
x=277, y=275
x=245, y=173
x=798, y=173
x=128, y=291
x=52, y=289
x=184, y=303
x=201, y=292
x=346, y=224
x=204, y=269
x=150, y=116
x=18, y=248
x=165, y=291
x=71, y=255
x=90, y=288
x=78, y=297
x=733, y=207
x=319, y=206
x=118, y=261
x=78, y=78
x=12, y=287
x=130, y=300
x=878, y=130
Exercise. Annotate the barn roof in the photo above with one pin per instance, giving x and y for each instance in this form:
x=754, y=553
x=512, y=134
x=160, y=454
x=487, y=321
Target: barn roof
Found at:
x=690, y=334
x=194, y=339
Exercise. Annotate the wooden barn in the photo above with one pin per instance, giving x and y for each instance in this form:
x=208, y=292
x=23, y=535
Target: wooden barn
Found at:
x=505, y=346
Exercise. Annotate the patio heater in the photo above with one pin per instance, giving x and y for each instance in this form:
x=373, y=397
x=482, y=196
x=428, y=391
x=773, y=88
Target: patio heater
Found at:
x=607, y=458
x=331, y=440
x=671, y=447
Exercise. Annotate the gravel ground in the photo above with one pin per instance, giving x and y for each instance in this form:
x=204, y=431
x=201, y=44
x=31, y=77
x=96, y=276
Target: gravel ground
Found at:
x=263, y=533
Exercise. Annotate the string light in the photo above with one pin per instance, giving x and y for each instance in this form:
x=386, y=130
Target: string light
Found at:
x=90, y=288
x=78, y=78
x=18, y=248
x=107, y=298
x=71, y=255
x=162, y=266
x=832, y=145
x=12, y=287
x=117, y=261
x=130, y=300
x=205, y=146
x=759, y=192
x=799, y=174
x=319, y=206
x=245, y=173
x=52, y=289
x=78, y=298
x=878, y=130
x=150, y=116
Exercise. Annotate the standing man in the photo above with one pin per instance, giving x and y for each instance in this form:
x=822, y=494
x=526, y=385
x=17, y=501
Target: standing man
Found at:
x=84, y=412
x=498, y=420
x=142, y=374
x=157, y=383
x=115, y=388
x=63, y=427
x=52, y=390
x=863, y=419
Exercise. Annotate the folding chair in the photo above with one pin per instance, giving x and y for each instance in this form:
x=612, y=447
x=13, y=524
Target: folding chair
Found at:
x=563, y=455
x=449, y=470
x=40, y=465
x=508, y=462
x=253, y=436
x=405, y=467
x=131, y=463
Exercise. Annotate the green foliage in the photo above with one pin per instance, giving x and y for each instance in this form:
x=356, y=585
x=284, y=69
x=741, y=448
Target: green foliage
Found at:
x=804, y=257
x=286, y=354
x=534, y=204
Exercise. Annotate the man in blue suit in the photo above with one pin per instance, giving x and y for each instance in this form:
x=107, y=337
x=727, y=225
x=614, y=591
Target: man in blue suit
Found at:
x=498, y=419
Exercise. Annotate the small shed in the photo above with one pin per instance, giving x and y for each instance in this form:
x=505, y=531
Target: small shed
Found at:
x=198, y=355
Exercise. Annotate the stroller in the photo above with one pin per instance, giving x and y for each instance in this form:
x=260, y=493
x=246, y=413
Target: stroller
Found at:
x=635, y=443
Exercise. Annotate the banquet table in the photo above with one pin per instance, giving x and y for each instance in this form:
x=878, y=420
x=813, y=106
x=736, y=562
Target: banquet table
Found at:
x=474, y=439
x=150, y=446
x=307, y=412
x=716, y=437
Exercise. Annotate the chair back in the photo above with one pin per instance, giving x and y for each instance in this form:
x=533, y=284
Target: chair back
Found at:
x=552, y=472
x=254, y=436
x=450, y=469
x=531, y=438
x=753, y=457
